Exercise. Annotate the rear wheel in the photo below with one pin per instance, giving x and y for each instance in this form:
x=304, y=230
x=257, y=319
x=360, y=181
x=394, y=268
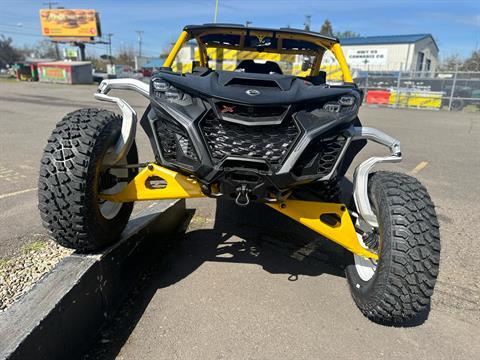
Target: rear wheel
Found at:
x=457, y=105
x=73, y=172
x=397, y=288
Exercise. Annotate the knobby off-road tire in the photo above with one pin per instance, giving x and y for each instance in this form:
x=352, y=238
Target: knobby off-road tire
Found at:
x=401, y=287
x=68, y=186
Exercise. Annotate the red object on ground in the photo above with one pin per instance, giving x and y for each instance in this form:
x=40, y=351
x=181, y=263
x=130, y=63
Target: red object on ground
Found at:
x=378, y=96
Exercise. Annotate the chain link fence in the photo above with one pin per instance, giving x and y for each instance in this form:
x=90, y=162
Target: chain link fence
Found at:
x=433, y=90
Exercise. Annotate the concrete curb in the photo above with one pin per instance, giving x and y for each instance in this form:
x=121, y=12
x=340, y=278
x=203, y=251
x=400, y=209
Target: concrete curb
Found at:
x=60, y=316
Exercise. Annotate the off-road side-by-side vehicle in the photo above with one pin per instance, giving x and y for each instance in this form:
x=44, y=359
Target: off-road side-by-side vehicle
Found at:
x=250, y=134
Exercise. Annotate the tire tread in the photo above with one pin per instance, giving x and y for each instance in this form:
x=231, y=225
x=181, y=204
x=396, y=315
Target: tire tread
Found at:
x=410, y=221
x=66, y=177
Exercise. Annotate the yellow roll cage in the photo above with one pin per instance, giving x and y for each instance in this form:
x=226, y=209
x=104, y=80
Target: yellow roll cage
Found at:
x=324, y=43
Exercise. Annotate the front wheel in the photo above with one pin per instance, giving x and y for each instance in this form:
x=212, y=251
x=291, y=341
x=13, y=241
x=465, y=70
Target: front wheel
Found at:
x=398, y=287
x=73, y=171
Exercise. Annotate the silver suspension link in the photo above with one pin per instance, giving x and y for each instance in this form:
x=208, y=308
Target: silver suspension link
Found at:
x=360, y=177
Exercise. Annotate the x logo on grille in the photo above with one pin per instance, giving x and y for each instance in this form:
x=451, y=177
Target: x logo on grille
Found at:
x=227, y=109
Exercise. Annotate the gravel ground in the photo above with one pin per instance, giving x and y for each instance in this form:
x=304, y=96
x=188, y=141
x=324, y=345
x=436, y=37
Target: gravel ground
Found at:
x=18, y=274
x=34, y=260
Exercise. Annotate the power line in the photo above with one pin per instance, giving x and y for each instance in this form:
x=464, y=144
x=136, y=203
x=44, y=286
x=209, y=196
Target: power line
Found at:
x=21, y=26
x=19, y=33
x=150, y=51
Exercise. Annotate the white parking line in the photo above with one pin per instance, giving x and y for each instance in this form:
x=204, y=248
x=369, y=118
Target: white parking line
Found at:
x=422, y=165
x=3, y=196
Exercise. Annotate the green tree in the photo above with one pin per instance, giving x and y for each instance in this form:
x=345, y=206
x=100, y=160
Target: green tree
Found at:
x=126, y=56
x=346, y=34
x=98, y=64
x=44, y=49
x=8, y=53
x=472, y=63
x=450, y=62
x=326, y=28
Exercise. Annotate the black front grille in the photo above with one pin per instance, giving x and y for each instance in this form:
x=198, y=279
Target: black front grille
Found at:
x=174, y=142
x=250, y=113
x=320, y=156
x=268, y=142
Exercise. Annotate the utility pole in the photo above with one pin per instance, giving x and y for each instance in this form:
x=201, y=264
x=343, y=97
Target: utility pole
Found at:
x=139, y=32
x=110, y=47
x=216, y=11
x=247, y=23
x=57, y=50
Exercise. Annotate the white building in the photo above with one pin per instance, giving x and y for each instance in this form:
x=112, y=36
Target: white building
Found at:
x=417, y=52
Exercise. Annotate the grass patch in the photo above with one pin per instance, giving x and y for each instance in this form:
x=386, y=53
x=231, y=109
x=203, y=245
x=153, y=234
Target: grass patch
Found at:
x=34, y=246
x=7, y=79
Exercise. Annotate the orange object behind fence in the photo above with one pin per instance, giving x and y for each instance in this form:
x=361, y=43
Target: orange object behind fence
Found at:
x=378, y=97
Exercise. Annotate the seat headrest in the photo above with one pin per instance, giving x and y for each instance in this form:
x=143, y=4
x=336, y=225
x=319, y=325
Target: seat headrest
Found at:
x=250, y=66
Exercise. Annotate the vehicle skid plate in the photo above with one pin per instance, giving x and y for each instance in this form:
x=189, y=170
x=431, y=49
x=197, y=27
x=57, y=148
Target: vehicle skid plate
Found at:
x=328, y=219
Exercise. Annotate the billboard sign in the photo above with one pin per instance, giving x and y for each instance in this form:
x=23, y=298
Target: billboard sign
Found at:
x=366, y=56
x=69, y=22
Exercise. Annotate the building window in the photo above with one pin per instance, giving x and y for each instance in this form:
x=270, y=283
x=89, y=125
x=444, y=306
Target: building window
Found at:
x=428, y=64
x=420, y=58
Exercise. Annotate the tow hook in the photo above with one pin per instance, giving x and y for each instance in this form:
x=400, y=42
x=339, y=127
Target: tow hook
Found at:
x=242, y=197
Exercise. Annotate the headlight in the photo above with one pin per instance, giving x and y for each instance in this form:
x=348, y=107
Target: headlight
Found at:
x=161, y=85
x=344, y=104
x=164, y=89
x=347, y=100
x=331, y=107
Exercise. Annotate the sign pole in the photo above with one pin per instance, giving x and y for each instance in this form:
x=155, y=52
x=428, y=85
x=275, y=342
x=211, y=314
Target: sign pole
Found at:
x=110, y=47
x=81, y=46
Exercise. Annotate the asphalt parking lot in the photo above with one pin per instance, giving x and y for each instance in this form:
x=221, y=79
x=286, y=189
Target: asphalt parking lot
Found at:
x=247, y=283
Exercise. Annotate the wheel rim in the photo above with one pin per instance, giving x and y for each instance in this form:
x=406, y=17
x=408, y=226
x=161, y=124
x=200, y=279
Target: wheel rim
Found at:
x=365, y=267
x=110, y=209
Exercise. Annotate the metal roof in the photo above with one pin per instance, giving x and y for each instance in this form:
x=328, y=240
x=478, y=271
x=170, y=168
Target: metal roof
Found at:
x=386, y=39
x=221, y=26
x=65, y=63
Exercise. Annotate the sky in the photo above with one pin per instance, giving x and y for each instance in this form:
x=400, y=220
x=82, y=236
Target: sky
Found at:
x=454, y=24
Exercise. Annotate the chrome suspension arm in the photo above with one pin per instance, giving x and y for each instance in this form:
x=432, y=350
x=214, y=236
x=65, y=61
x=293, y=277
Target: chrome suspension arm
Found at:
x=129, y=120
x=360, y=177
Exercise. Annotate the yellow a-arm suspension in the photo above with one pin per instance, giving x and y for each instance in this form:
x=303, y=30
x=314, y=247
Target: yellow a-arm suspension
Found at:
x=338, y=228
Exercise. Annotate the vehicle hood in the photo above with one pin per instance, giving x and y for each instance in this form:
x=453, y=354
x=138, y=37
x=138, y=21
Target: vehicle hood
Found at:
x=273, y=89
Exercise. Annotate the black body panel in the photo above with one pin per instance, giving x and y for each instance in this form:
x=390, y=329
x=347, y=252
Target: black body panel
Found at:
x=260, y=145
x=275, y=89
